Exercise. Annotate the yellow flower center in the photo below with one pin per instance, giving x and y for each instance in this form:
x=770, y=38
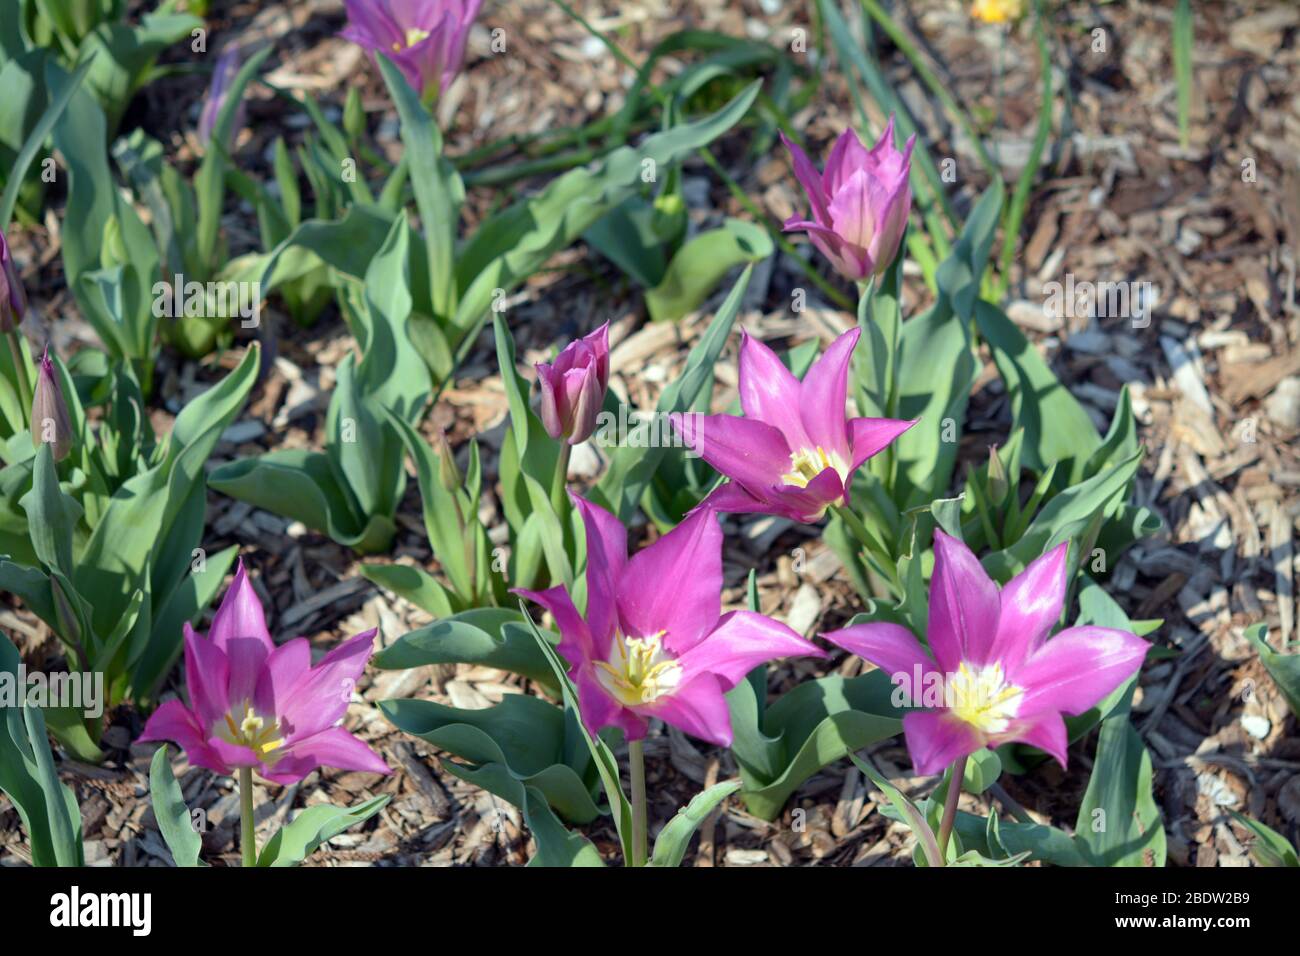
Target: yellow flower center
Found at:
x=253, y=731
x=998, y=11
x=639, y=669
x=983, y=698
x=413, y=36
x=808, y=464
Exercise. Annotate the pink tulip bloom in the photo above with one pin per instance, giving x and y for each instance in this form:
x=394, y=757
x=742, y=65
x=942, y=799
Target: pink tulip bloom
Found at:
x=654, y=641
x=260, y=706
x=991, y=676
x=425, y=39
x=859, y=204
x=795, y=451
x=573, y=387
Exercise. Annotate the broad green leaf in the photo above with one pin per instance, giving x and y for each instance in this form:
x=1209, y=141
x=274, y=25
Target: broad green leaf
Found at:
x=632, y=469
x=1270, y=848
x=817, y=723
x=700, y=265
x=414, y=584
x=295, y=841
x=173, y=816
x=492, y=637
x=1119, y=822
x=1283, y=668
x=46, y=808
x=512, y=245
x=518, y=743
x=673, y=839
x=1056, y=427
x=439, y=192
x=556, y=846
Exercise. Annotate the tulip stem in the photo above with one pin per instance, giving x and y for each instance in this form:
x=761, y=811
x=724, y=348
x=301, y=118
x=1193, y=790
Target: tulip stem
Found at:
x=20, y=372
x=560, y=482
x=858, y=528
x=247, y=832
x=636, y=770
x=950, y=806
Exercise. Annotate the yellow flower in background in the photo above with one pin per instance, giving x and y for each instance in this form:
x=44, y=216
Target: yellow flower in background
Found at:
x=998, y=11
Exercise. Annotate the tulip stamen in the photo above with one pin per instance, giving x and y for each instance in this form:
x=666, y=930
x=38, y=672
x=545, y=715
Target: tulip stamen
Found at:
x=413, y=36
x=639, y=669
x=983, y=698
x=253, y=731
x=808, y=464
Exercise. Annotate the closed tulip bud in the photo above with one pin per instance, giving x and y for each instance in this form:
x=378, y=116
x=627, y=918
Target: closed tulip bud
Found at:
x=448, y=473
x=50, y=423
x=998, y=483
x=13, y=299
x=573, y=387
x=223, y=76
x=859, y=203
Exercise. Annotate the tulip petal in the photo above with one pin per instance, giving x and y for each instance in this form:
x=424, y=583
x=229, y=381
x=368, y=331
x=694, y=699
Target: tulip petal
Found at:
x=322, y=694
x=823, y=394
x=892, y=648
x=1030, y=607
x=935, y=738
x=288, y=666
x=752, y=452
x=333, y=747
x=859, y=209
x=173, y=721
x=809, y=179
x=769, y=392
x=849, y=260
x=599, y=710
x=698, y=708
x=847, y=157
x=963, y=606
x=870, y=436
x=741, y=641
x=207, y=677
x=575, y=639
x=1045, y=731
x=732, y=498
x=241, y=618
x=675, y=585
x=1077, y=668
x=606, y=561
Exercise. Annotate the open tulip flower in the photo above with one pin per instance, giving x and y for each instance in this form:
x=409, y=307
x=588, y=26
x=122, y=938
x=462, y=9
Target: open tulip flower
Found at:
x=859, y=203
x=654, y=641
x=991, y=676
x=424, y=38
x=255, y=706
x=795, y=450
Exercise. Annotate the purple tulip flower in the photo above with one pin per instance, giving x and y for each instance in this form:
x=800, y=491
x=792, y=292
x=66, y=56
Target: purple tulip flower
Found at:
x=795, y=451
x=990, y=675
x=13, y=298
x=859, y=204
x=425, y=39
x=654, y=641
x=255, y=705
x=573, y=387
x=223, y=76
